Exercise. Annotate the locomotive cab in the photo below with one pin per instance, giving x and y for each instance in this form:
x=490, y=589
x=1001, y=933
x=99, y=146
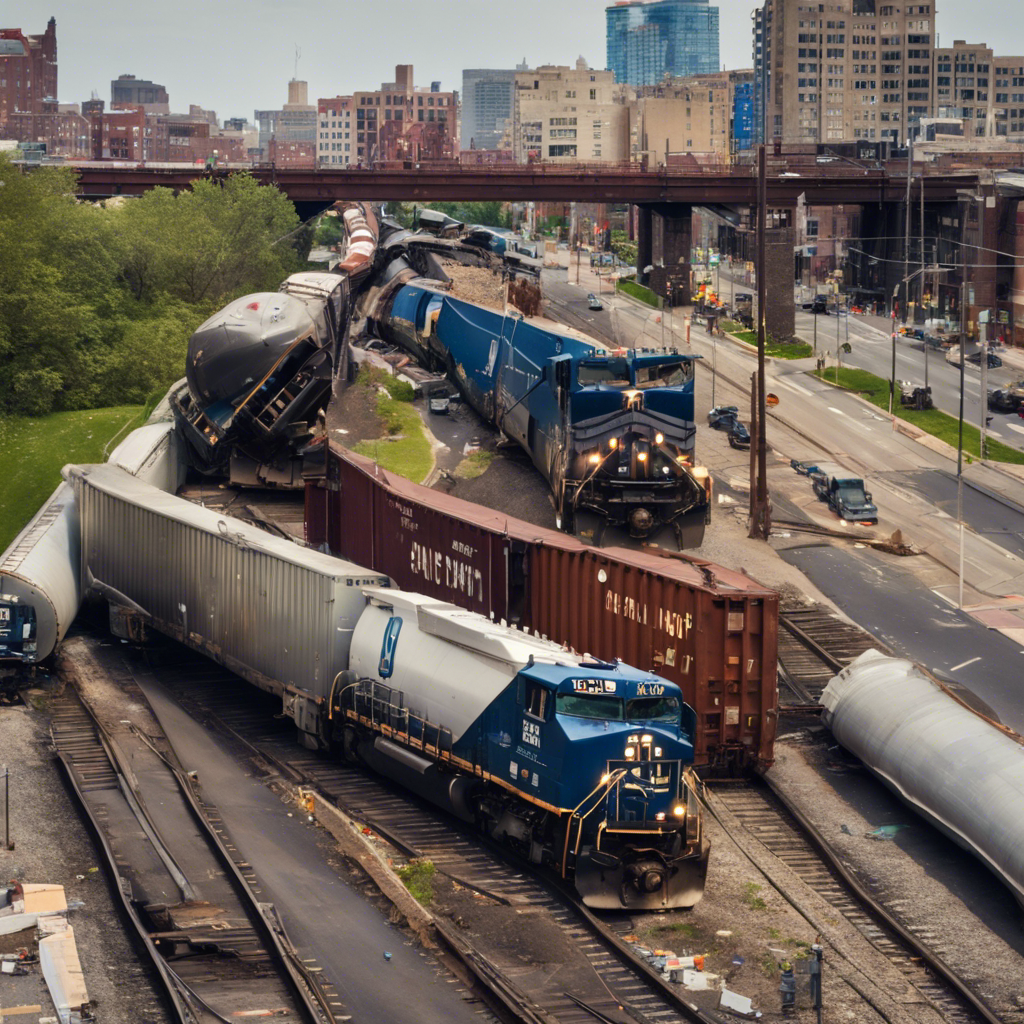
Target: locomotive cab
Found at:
x=630, y=449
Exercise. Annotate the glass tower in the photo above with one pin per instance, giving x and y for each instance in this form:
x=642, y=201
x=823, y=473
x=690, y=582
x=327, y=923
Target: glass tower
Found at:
x=648, y=39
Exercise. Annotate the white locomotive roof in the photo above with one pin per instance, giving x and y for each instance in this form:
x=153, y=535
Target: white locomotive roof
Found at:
x=117, y=483
x=474, y=631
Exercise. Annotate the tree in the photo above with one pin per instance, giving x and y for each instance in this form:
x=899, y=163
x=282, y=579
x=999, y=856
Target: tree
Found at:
x=97, y=304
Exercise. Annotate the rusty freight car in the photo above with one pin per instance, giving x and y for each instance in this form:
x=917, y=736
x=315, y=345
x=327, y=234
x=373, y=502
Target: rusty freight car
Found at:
x=709, y=629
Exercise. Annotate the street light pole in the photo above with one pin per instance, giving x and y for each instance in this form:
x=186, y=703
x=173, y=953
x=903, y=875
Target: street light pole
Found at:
x=892, y=379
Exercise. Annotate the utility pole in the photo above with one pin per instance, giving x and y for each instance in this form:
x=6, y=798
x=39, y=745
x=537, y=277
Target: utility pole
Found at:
x=906, y=226
x=760, y=519
x=8, y=845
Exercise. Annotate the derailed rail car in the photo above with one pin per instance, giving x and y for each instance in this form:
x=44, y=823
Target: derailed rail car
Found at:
x=710, y=630
x=948, y=762
x=584, y=765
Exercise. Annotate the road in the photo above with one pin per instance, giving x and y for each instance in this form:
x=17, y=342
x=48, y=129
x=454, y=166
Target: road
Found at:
x=909, y=603
x=872, y=351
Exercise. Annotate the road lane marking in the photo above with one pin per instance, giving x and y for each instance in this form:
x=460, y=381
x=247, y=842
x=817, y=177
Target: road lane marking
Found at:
x=1014, y=426
x=964, y=664
x=840, y=412
x=786, y=383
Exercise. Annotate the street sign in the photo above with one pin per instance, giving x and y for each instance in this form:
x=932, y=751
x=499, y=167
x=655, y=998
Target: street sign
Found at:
x=771, y=399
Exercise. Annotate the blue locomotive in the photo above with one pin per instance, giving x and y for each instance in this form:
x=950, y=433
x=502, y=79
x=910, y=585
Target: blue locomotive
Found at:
x=582, y=765
x=613, y=433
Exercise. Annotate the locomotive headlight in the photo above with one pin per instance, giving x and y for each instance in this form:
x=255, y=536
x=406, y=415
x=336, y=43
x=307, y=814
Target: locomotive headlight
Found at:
x=657, y=751
x=647, y=739
x=613, y=443
x=635, y=738
x=630, y=753
x=642, y=456
x=660, y=816
x=679, y=811
x=594, y=459
x=659, y=438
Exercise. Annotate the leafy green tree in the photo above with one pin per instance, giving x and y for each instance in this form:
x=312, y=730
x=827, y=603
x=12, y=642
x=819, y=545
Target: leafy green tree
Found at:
x=97, y=304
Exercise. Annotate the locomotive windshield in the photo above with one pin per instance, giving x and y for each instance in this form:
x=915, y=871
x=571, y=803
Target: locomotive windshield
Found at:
x=582, y=706
x=652, y=709
x=613, y=372
x=671, y=375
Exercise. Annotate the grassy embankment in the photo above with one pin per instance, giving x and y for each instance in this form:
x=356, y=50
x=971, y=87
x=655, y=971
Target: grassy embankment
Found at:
x=638, y=291
x=773, y=348
x=933, y=421
x=404, y=448
x=36, y=449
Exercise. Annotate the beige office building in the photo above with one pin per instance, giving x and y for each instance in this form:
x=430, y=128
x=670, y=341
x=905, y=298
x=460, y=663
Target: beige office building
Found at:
x=844, y=70
x=983, y=91
x=686, y=116
x=570, y=115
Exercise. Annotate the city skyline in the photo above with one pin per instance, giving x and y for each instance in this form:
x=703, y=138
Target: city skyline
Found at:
x=237, y=60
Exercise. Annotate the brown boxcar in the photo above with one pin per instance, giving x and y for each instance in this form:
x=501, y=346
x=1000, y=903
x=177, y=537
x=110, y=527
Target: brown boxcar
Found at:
x=709, y=629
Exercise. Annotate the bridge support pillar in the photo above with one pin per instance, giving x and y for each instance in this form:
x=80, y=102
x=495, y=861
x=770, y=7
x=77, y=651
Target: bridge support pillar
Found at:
x=780, y=312
x=671, y=276
x=644, y=241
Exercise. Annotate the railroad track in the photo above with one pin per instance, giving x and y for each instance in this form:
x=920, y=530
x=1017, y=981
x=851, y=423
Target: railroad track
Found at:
x=619, y=983
x=914, y=949
x=215, y=951
x=815, y=644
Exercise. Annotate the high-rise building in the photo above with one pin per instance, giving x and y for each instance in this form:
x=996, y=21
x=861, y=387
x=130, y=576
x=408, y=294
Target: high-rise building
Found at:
x=980, y=89
x=487, y=105
x=648, y=39
x=288, y=137
x=843, y=70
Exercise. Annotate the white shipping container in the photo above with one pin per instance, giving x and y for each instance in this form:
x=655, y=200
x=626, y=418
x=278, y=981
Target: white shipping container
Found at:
x=276, y=613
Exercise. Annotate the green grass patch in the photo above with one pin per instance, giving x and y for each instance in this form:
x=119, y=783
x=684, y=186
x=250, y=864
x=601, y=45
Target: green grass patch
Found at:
x=418, y=876
x=474, y=465
x=638, y=291
x=37, y=448
x=373, y=377
x=687, y=931
x=750, y=897
x=932, y=421
x=404, y=449
x=772, y=348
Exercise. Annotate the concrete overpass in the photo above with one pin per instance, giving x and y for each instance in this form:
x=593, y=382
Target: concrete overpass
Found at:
x=825, y=184
x=665, y=198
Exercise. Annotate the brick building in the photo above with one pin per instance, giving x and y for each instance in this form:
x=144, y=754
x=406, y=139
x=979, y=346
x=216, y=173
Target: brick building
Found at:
x=28, y=84
x=842, y=70
x=402, y=122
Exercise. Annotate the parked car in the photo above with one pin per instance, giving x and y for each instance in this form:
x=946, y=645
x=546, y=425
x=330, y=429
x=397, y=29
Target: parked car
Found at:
x=914, y=396
x=819, y=304
x=727, y=418
x=993, y=360
x=845, y=494
x=593, y=302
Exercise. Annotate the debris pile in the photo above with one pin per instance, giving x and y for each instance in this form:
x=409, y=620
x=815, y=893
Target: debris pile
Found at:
x=688, y=970
x=43, y=911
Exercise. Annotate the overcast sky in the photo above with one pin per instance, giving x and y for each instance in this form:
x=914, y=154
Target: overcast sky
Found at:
x=235, y=57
